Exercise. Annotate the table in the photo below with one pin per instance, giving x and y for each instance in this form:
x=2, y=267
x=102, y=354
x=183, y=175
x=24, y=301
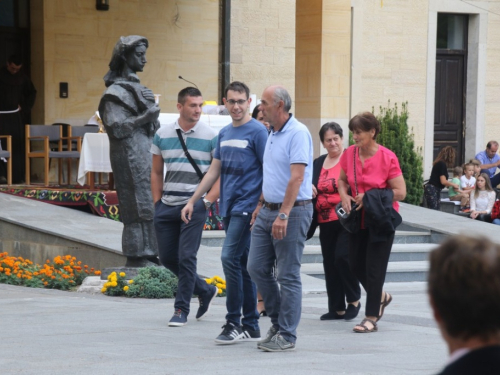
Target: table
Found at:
x=94, y=157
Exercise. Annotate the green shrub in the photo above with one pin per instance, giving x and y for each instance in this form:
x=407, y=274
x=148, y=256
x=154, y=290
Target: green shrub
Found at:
x=153, y=282
x=396, y=136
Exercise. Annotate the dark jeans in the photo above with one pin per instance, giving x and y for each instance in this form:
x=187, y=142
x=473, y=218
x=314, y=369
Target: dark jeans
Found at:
x=432, y=196
x=282, y=298
x=178, y=245
x=368, y=262
x=495, y=180
x=341, y=284
x=241, y=293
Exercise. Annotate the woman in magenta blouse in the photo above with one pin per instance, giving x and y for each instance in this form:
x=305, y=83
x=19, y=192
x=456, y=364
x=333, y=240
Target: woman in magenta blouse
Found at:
x=376, y=168
x=341, y=284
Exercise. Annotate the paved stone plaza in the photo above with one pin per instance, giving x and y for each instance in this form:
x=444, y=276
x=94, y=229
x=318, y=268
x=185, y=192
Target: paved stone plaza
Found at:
x=54, y=332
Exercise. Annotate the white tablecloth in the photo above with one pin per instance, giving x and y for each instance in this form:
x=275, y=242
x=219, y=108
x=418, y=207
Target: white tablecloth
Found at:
x=94, y=156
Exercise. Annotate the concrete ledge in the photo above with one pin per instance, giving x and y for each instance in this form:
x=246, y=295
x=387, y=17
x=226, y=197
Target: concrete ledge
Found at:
x=39, y=231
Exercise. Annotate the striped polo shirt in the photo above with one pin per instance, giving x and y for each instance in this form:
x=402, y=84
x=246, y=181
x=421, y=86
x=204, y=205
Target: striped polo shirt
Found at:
x=181, y=179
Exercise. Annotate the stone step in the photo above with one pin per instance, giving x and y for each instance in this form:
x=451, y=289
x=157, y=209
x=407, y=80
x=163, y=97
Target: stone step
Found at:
x=400, y=252
x=396, y=271
x=215, y=238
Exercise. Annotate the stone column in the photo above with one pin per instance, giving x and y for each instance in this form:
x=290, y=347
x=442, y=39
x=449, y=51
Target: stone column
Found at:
x=322, y=64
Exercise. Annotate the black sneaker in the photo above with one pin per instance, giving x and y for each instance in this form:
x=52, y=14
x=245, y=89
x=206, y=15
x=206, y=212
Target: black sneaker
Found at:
x=250, y=335
x=230, y=334
x=205, y=301
x=273, y=331
x=277, y=344
x=179, y=319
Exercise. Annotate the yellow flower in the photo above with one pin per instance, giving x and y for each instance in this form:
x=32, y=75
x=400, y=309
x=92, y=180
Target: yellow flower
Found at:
x=209, y=281
x=122, y=274
x=114, y=283
x=219, y=291
x=219, y=285
x=223, y=287
x=103, y=290
x=131, y=281
x=125, y=288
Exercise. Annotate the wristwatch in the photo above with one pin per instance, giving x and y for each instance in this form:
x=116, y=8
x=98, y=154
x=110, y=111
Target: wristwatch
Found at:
x=283, y=216
x=207, y=203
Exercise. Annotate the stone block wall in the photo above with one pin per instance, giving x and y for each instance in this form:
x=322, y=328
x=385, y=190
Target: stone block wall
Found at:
x=263, y=44
x=72, y=42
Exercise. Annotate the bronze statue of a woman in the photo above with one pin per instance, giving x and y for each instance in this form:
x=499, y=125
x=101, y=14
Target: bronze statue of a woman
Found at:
x=130, y=116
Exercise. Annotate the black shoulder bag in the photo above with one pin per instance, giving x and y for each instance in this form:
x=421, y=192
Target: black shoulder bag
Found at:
x=350, y=221
x=188, y=155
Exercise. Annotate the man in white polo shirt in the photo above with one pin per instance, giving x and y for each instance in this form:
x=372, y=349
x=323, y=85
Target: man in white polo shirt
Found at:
x=283, y=217
x=178, y=242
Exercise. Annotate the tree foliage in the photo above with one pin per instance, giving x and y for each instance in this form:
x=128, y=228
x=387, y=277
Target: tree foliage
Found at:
x=396, y=136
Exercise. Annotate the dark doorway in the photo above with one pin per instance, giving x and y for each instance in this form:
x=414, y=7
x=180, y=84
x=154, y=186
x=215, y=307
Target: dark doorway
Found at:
x=451, y=67
x=15, y=31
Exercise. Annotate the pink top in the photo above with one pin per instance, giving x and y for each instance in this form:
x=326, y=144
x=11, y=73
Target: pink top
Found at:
x=378, y=170
x=328, y=194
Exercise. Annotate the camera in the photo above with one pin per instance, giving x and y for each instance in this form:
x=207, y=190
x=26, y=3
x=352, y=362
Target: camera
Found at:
x=343, y=214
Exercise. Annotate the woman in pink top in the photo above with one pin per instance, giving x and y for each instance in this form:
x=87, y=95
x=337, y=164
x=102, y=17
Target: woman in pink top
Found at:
x=376, y=168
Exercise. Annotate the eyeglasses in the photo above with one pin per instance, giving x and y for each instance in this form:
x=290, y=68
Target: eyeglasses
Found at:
x=233, y=102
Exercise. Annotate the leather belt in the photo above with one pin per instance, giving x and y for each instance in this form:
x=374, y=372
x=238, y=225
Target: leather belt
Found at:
x=277, y=206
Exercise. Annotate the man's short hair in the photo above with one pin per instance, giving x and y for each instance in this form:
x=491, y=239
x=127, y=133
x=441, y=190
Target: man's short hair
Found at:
x=188, y=91
x=490, y=144
x=238, y=87
x=15, y=59
x=464, y=285
x=280, y=93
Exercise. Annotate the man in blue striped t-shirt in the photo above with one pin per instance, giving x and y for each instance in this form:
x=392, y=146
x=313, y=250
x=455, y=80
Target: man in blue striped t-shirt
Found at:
x=178, y=242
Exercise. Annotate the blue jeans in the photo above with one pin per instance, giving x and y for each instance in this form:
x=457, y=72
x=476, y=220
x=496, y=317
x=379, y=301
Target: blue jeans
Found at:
x=496, y=221
x=284, y=301
x=178, y=245
x=241, y=293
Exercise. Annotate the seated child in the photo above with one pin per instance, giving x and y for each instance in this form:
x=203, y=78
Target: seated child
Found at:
x=477, y=167
x=458, y=195
x=468, y=181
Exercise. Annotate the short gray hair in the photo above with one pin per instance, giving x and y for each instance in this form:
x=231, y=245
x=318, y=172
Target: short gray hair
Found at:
x=280, y=93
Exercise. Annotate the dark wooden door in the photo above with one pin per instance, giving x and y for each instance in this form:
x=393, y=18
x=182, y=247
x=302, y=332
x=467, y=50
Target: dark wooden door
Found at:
x=449, y=104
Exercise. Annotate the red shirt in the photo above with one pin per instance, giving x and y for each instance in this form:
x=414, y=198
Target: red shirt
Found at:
x=377, y=171
x=328, y=194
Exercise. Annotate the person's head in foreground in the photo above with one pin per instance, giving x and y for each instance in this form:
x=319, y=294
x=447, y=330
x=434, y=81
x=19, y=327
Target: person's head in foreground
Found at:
x=464, y=292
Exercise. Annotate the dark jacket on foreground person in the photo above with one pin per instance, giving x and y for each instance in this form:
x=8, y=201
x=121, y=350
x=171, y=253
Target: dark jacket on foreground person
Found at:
x=483, y=361
x=380, y=217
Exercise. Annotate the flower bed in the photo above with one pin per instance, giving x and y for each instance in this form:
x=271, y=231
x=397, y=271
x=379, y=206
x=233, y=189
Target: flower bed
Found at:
x=63, y=272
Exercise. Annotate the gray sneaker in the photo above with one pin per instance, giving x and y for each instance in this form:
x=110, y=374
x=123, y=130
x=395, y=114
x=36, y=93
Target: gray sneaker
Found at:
x=270, y=334
x=277, y=344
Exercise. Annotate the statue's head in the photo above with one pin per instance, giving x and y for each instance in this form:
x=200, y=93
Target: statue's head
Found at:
x=129, y=52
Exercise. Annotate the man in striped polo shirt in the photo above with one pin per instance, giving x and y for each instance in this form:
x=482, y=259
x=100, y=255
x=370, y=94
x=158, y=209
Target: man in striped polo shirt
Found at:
x=178, y=242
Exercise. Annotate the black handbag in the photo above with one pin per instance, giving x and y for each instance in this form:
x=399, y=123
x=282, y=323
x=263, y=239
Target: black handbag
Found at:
x=350, y=221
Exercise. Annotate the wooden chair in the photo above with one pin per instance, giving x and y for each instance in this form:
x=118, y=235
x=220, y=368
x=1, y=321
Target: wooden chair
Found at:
x=7, y=154
x=47, y=134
